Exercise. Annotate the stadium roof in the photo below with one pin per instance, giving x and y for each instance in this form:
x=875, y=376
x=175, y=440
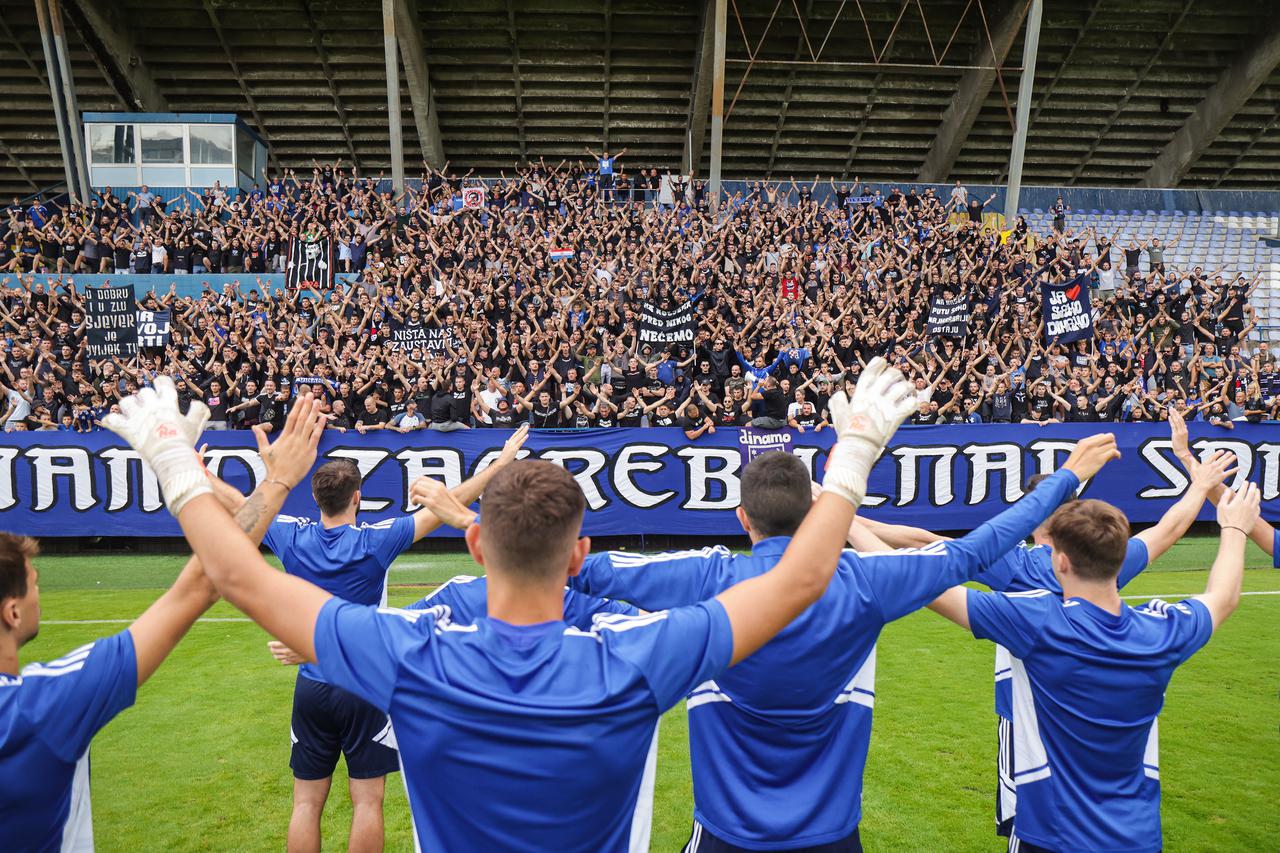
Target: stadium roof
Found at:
x=900, y=89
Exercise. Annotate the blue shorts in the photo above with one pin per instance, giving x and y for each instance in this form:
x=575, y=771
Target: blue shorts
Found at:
x=328, y=721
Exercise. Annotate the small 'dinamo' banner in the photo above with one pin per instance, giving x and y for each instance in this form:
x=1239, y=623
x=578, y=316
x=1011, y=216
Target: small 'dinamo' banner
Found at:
x=636, y=481
x=754, y=442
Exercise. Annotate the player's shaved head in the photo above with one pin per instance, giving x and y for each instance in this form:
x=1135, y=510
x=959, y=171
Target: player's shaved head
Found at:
x=1093, y=535
x=334, y=484
x=776, y=494
x=530, y=519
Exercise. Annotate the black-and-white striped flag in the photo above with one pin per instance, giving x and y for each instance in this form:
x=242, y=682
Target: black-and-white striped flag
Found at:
x=310, y=263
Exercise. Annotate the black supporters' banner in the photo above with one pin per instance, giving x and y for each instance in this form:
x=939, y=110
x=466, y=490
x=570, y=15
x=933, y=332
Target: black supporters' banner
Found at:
x=112, y=321
x=310, y=263
x=1067, y=316
x=154, y=328
x=667, y=326
x=949, y=317
x=432, y=338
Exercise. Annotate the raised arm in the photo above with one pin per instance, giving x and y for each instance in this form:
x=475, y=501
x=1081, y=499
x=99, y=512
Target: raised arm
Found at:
x=152, y=425
x=1237, y=512
x=159, y=629
x=468, y=492
x=762, y=606
x=1206, y=480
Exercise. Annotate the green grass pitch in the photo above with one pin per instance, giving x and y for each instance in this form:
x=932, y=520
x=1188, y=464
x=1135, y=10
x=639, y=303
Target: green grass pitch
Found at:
x=201, y=762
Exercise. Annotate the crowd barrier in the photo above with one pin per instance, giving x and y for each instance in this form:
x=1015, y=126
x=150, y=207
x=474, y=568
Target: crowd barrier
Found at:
x=636, y=481
x=193, y=285
x=1030, y=197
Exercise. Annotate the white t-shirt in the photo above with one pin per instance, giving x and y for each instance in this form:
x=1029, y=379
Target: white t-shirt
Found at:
x=665, y=195
x=490, y=401
x=19, y=408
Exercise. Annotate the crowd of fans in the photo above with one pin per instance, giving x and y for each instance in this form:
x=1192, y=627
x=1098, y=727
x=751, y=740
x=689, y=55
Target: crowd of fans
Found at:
x=796, y=285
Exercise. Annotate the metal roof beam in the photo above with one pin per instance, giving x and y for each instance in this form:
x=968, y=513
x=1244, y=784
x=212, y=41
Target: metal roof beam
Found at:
x=786, y=94
x=239, y=78
x=516, y=81
x=414, y=58
x=971, y=93
x=1235, y=86
x=700, y=92
x=608, y=62
x=327, y=70
x=106, y=35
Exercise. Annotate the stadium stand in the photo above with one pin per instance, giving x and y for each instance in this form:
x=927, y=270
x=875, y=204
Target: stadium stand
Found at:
x=532, y=303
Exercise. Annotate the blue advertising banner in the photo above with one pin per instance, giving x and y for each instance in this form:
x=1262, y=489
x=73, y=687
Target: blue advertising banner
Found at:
x=650, y=481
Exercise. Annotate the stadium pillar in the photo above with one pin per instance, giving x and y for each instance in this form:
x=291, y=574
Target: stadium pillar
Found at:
x=393, y=95
x=62, y=92
x=1030, y=47
x=717, y=103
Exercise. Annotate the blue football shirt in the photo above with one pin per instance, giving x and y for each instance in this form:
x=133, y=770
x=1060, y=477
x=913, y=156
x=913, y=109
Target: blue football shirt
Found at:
x=779, y=742
x=349, y=561
x=1088, y=686
x=523, y=737
x=48, y=715
x=1275, y=550
x=1027, y=568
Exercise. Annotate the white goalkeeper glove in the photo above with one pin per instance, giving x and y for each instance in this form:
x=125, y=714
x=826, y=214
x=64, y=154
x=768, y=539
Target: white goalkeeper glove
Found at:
x=863, y=425
x=165, y=439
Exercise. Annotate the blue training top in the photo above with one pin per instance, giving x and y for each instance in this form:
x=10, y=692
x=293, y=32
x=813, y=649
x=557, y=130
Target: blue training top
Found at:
x=1024, y=569
x=1087, y=688
x=348, y=561
x=48, y=715
x=778, y=743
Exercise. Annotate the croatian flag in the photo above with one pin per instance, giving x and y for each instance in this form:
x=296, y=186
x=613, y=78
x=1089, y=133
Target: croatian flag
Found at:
x=561, y=254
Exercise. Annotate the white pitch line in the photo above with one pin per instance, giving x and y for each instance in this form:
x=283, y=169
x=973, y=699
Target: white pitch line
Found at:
x=131, y=621
x=243, y=619
x=1193, y=594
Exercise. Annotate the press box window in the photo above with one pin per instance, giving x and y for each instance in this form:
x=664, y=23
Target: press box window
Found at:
x=161, y=143
x=111, y=144
x=210, y=144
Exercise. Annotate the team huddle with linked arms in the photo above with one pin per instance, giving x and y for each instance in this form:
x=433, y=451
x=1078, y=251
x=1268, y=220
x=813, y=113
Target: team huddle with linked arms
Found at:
x=522, y=706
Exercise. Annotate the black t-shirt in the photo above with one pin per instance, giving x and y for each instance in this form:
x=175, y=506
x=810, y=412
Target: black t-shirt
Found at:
x=380, y=415
x=269, y=409
x=217, y=404
x=1001, y=407
x=460, y=405
x=441, y=407
x=546, y=417
x=775, y=403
